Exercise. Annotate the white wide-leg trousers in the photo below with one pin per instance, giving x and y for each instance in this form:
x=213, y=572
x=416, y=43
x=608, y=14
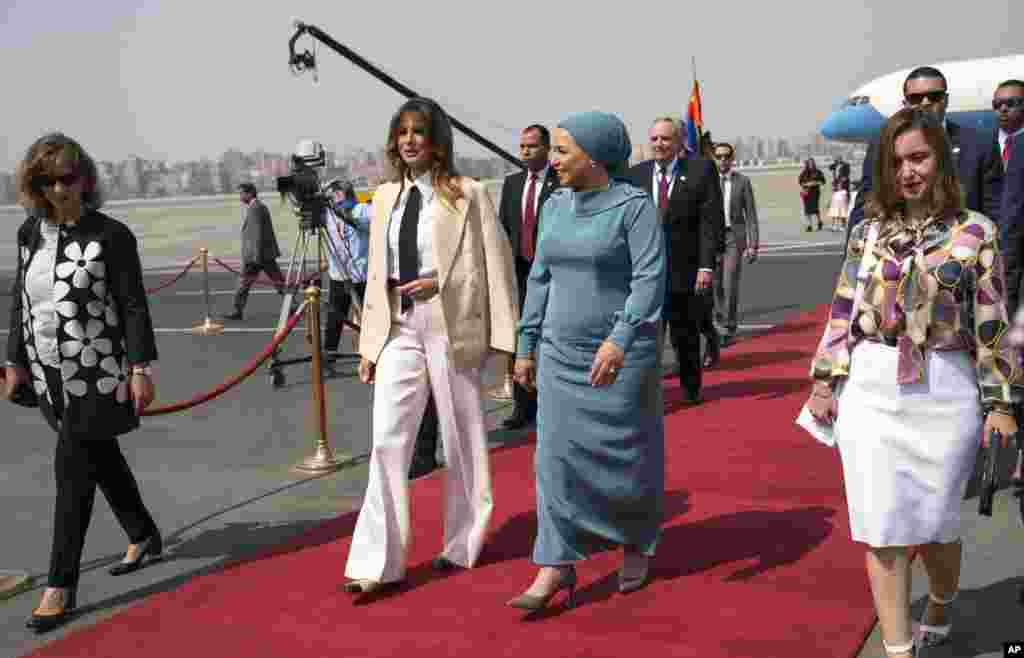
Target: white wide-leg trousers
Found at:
x=415, y=357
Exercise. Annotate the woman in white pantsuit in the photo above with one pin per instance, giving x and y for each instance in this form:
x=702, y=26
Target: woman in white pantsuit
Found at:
x=440, y=294
x=914, y=370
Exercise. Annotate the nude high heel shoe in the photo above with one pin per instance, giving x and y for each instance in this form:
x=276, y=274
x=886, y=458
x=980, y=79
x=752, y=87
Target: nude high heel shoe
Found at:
x=566, y=580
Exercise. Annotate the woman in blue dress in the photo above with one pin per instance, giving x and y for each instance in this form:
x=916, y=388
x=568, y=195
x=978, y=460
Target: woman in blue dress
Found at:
x=588, y=342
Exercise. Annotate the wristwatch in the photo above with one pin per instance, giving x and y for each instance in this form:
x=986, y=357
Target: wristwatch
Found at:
x=142, y=369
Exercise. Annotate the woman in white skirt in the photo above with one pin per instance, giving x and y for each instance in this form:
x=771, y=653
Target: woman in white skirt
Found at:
x=914, y=369
x=837, y=211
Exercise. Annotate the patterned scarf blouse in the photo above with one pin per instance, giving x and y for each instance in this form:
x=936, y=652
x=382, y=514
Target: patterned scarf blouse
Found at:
x=931, y=285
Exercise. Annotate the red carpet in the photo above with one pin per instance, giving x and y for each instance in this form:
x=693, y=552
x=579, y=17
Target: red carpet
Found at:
x=755, y=560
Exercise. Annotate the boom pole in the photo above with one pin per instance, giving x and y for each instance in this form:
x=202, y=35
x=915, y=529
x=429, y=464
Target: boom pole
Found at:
x=305, y=60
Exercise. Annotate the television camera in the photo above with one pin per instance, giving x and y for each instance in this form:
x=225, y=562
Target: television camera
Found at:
x=302, y=186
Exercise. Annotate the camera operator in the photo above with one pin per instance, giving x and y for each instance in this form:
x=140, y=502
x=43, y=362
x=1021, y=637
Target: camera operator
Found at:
x=348, y=228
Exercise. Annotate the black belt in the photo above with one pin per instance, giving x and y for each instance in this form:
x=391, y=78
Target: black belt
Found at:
x=393, y=283
x=891, y=341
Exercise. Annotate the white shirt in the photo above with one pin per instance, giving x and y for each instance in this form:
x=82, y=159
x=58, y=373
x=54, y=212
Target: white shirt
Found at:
x=670, y=171
x=542, y=176
x=39, y=284
x=424, y=231
x=727, y=196
x=1003, y=136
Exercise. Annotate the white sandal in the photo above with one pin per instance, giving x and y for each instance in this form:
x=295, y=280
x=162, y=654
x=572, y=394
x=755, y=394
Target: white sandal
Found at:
x=898, y=649
x=933, y=636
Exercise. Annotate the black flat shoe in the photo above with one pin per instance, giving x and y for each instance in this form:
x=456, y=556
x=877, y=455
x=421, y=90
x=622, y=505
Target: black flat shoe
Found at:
x=47, y=619
x=442, y=563
x=516, y=421
x=152, y=548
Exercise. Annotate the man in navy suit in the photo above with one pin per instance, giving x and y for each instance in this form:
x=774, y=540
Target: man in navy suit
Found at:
x=1012, y=226
x=688, y=196
x=977, y=159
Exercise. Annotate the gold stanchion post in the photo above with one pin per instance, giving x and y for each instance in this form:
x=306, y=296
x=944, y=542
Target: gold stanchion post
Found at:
x=504, y=392
x=208, y=327
x=324, y=459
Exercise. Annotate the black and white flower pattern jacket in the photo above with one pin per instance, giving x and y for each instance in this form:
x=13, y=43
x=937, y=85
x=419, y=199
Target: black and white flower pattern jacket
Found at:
x=103, y=324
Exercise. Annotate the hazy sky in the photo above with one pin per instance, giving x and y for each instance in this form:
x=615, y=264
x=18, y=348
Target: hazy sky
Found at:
x=182, y=79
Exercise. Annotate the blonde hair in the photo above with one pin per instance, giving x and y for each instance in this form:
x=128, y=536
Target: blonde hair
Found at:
x=675, y=122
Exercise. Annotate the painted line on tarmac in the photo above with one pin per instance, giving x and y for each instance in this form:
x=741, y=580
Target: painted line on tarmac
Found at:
x=838, y=252
x=792, y=246
x=195, y=293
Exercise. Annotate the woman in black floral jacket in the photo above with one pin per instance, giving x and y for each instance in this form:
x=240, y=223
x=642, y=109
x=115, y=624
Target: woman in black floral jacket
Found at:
x=81, y=338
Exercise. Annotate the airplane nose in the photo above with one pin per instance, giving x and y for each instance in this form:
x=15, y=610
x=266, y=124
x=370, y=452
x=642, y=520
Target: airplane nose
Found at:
x=855, y=123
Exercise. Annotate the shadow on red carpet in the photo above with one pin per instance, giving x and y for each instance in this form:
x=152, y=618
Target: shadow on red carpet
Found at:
x=755, y=557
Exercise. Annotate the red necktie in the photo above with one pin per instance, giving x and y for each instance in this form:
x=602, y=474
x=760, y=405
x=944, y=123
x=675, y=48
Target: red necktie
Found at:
x=526, y=247
x=1006, y=148
x=663, y=189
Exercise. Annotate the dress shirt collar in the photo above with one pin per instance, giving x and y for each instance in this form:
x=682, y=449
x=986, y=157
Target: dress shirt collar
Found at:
x=541, y=175
x=727, y=176
x=1003, y=134
x=670, y=167
x=426, y=184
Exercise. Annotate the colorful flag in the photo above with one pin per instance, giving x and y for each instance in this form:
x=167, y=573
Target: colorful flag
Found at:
x=694, y=120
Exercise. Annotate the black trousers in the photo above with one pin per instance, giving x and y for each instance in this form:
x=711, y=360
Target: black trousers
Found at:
x=686, y=315
x=250, y=272
x=425, y=451
x=339, y=303
x=80, y=466
x=525, y=401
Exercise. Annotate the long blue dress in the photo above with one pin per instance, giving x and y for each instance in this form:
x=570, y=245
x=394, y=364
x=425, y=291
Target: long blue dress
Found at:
x=599, y=273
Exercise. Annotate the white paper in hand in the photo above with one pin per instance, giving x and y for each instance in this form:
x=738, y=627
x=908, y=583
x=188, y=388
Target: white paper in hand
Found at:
x=823, y=433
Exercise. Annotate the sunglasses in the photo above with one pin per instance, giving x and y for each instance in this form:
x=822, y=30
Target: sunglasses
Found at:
x=44, y=181
x=932, y=96
x=1010, y=103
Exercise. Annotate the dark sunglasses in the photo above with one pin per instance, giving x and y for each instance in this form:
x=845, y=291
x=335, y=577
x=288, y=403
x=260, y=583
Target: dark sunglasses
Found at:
x=1011, y=103
x=44, y=181
x=932, y=96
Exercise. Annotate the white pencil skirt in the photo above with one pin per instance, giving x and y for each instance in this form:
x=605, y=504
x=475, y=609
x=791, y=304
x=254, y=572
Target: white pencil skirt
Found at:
x=907, y=450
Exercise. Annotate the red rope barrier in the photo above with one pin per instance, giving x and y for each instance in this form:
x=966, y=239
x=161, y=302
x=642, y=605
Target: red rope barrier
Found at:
x=231, y=383
x=257, y=282
x=174, y=280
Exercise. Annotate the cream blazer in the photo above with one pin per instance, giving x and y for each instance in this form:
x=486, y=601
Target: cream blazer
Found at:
x=475, y=273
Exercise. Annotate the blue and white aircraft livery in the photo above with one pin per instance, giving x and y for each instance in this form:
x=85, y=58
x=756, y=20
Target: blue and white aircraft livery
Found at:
x=971, y=85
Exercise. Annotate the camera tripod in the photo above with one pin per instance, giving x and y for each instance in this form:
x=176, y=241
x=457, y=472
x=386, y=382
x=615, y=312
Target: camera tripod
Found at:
x=311, y=235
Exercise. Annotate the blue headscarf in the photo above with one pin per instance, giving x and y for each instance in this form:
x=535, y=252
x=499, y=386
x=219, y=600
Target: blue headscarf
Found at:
x=603, y=136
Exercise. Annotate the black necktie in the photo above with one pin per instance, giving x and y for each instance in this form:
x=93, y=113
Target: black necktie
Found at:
x=408, y=253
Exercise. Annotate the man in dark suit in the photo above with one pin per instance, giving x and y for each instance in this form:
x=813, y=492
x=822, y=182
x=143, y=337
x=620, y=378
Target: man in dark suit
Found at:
x=1012, y=242
x=689, y=201
x=259, y=248
x=522, y=197
x=1008, y=105
x=977, y=159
